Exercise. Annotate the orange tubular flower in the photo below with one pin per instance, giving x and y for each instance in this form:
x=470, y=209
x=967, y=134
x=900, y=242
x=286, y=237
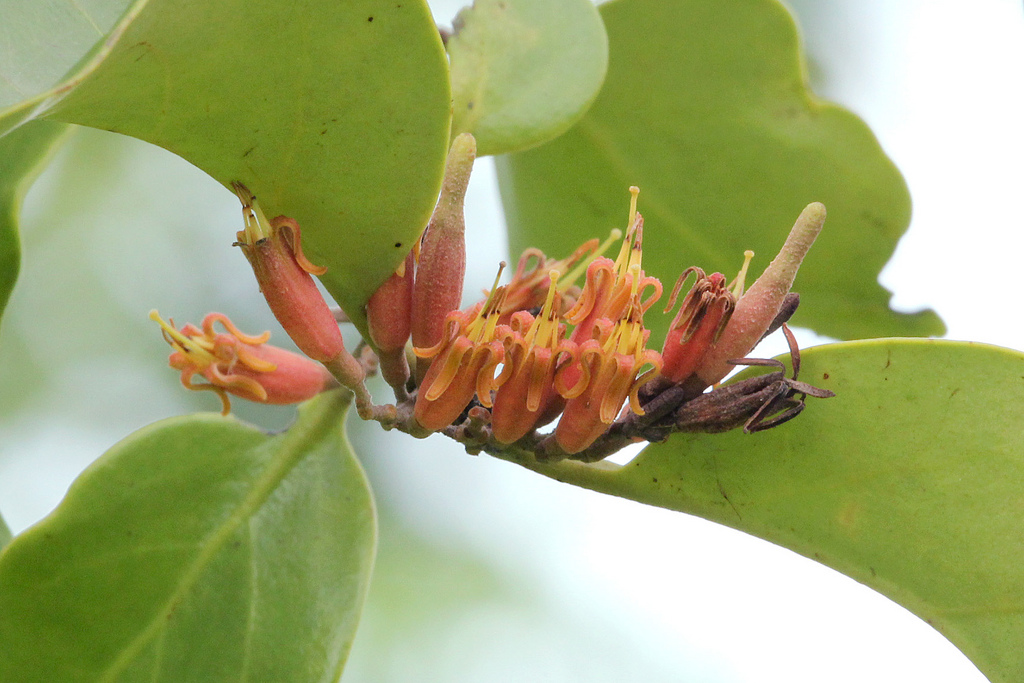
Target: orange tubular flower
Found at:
x=701, y=318
x=236, y=363
x=608, y=290
x=464, y=363
x=535, y=350
x=609, y=365
x=274, y=248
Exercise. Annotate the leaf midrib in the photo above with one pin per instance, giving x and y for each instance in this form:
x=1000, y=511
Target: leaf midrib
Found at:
x=292, y=448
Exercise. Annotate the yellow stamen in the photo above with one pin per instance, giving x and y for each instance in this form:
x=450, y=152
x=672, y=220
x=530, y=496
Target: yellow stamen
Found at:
x=545, y=325
x=482, y=326
x=197, y=351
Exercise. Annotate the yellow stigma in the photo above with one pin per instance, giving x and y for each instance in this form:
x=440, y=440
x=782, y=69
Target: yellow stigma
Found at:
x=634, y=191
x=740, y=283
x=631, y=250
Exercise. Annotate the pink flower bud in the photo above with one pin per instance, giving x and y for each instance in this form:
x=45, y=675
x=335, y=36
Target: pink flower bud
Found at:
x=388, y=317
x=442, y=264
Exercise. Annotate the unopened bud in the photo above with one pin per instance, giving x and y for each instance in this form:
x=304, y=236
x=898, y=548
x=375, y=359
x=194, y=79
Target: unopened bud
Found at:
x=442, y=265
x=388, y=317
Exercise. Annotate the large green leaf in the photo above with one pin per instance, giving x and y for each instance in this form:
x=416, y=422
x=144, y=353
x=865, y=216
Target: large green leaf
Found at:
x=23, y=154
x=707, y=110
x=524, y=71
x=198, y=549
x=909, y=480
x=335, y=113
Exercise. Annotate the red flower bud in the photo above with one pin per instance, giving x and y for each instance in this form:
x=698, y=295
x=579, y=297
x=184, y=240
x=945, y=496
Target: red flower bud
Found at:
x=442, y=264
x=388, y=317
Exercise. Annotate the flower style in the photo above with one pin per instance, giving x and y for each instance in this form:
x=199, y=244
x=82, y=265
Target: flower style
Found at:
x=537, y=353
x=464, y=362
x=240, y=364
x=609, y=364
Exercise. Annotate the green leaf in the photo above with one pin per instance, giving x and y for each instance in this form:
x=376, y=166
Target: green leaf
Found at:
x=909, y=481
x=5, y=533
x=707, y=110
x=524, y=71
x=48, y=46
x=334, y=113
x=23, y=154
x=198, y=549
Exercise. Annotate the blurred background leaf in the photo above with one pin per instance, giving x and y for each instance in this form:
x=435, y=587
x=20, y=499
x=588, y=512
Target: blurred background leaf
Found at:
x=5, y=533
x=706, y=109
x=198, y=548
x=23, y=155
x=524, y=71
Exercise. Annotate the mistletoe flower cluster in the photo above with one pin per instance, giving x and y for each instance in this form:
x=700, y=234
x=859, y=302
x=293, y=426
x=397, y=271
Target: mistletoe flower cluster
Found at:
x=538, y=348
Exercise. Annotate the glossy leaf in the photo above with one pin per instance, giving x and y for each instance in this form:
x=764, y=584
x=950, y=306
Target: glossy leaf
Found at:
x=23, y=154
x=908, y=480
x=707, y=110
x=524, y=71
x=336, y=114
x=198, y=549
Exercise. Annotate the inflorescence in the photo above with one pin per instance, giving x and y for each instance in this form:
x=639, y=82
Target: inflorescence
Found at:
x=543, y=347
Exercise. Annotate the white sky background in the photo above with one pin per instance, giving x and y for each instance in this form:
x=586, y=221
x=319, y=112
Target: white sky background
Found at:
x=940, y=83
